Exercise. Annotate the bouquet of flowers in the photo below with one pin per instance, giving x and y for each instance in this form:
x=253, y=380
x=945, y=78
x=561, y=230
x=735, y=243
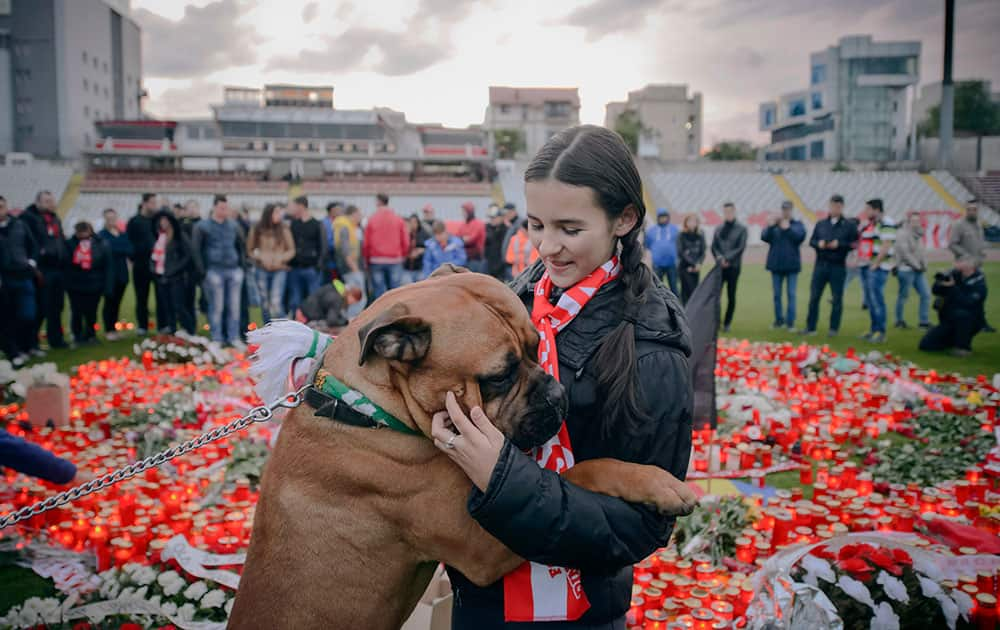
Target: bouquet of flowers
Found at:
x=151, y=429
x=713, y=528
x=134, y=594
x=944, y=445
x=181, y=347
x=246, y=462
x=863, y=580
x=42, y=374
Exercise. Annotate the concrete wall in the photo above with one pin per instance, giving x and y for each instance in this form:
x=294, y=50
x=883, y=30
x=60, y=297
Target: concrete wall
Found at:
x=6, y=94
x=86, y=53
x=964, y=152
x=131, y=67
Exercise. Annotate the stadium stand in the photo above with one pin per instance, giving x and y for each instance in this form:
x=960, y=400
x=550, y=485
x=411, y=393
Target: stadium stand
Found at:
x=90, y=205
x=756, y=195
x=511, y=177
x=447, y=207
x=985, y=187
x=20, y=184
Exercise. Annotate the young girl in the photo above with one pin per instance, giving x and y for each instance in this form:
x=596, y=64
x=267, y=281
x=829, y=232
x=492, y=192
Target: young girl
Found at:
x=171, y=262
x=691, y=253
x=88, y=278
x=618, y=342
x=271, y=247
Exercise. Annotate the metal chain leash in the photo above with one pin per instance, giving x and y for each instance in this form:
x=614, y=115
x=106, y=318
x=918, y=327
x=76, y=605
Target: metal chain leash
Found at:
x=262, y=413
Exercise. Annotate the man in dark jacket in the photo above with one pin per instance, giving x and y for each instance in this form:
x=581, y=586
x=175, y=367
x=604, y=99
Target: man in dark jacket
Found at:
x=961, y=313
x=605, y=535
x=142, y=236
x=17, y=287
x=513, y=223
x=728, y=244
x=784, y=235
x=832, y=239
x=46, y=228
x=310, y=249
x=191, y=217
x=121, y=250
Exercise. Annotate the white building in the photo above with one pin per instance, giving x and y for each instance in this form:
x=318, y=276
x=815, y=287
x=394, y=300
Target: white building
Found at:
x=69, y=64
x=858, y=106
x=537, y=113
x=671, y=121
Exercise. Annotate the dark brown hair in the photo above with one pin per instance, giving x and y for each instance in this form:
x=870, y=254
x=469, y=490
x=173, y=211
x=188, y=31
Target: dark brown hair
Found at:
x=597, y=158
x=266, y=223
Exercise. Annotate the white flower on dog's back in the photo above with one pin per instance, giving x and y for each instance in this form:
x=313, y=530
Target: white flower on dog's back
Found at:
x=885, y=618
x=213, y=599
x=195, y=591
x=894, y=587
x=856, y=590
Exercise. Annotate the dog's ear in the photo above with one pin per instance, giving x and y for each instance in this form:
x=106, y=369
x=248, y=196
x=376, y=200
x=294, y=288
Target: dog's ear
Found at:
x=395, y=335
x=448, y=269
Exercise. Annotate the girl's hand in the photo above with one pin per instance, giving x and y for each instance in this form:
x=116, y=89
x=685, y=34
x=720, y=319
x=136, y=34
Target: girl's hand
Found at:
x=475, y=447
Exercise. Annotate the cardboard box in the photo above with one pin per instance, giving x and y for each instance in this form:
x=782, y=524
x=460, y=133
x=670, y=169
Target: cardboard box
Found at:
x=433, y=612
x=48, y=402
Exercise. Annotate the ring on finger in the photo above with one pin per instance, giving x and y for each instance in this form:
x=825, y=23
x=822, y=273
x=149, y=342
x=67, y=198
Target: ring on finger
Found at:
x=451, y=441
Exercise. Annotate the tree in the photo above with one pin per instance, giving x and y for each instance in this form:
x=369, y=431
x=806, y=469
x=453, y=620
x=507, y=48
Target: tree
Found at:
x=728, y=150
x=508, y=142
x=975, y=113
x=629, y=127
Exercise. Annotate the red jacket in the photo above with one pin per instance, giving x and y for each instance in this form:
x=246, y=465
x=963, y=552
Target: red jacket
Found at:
x=474, y=234
x=387, y=240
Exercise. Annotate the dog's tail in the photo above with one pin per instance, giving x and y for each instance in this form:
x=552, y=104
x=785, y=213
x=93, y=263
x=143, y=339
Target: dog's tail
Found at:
x=279, y=344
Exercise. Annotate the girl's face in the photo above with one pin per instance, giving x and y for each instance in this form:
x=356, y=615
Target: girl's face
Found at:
x=277, y=216
x=572, y=234
x=165, y=226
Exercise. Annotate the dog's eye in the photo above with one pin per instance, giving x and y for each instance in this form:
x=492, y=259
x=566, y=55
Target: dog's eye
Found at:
x=498, y=380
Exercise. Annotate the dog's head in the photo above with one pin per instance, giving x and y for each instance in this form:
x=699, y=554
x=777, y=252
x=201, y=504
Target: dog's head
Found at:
x=460, y=332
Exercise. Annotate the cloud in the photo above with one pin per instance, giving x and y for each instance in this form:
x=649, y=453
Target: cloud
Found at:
x=425, y=41
x=605, y=17
x=309, y=12
x=394, y=54
x=188, y=100
x=204, y=40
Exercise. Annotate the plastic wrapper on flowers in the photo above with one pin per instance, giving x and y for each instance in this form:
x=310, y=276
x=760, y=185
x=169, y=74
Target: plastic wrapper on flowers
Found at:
x=880, y=580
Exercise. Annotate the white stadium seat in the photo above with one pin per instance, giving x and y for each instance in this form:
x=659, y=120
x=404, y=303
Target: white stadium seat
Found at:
x=20, y=184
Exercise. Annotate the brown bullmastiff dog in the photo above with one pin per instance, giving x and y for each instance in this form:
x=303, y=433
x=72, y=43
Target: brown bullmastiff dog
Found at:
x=352, y=521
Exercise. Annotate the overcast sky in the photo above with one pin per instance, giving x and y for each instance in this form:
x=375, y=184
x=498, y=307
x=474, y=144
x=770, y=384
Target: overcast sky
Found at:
x=434, y=59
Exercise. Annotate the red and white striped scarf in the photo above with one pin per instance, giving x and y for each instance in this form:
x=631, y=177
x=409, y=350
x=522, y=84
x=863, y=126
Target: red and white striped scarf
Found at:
x=535, y=592
x=82, y=254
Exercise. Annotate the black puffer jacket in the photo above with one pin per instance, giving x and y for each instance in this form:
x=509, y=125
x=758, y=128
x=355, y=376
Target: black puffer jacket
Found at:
x=46, y=229
x=99, y=277
x=17, y=250
x=547, y=520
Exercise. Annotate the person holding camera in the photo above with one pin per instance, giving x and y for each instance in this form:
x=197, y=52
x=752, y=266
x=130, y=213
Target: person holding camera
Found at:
x=962, y=296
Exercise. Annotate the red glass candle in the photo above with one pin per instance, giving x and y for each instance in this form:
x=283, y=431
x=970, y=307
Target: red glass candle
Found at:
x=745, y=549
x=654, y=620
x=806, y=473
x=98, y=538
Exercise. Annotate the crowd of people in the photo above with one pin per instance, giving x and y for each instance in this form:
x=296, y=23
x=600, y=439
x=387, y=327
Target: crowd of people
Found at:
x=288, y=256
x=276, y=263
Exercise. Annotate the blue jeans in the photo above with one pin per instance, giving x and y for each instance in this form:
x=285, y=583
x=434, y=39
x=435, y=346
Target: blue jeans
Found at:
x=302, y=281
x=355, y=279
x=875, y=296
x=271, y=289
x=385, y=278
x=781, y=317
x=859, y=273
x=223, y=287
x=917, y=280
x=671, y=274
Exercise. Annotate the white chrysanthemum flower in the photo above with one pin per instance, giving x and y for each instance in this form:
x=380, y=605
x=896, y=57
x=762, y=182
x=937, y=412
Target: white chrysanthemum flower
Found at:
x=195, y=591
x=856, y=590
x=949, y=608
x=819, y=567
x=171, y=583
x=127, y=592
x=213, y=599
x=924, y=564
x=144, y=576
x=229, y=606
x=186, y=612
x=885, y=618
x=965, y=603
x=169, y=608
x=929, y=588
x=893, y=586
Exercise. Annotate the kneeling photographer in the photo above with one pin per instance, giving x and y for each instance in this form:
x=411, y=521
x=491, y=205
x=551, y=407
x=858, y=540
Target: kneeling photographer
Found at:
x=960, y=307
